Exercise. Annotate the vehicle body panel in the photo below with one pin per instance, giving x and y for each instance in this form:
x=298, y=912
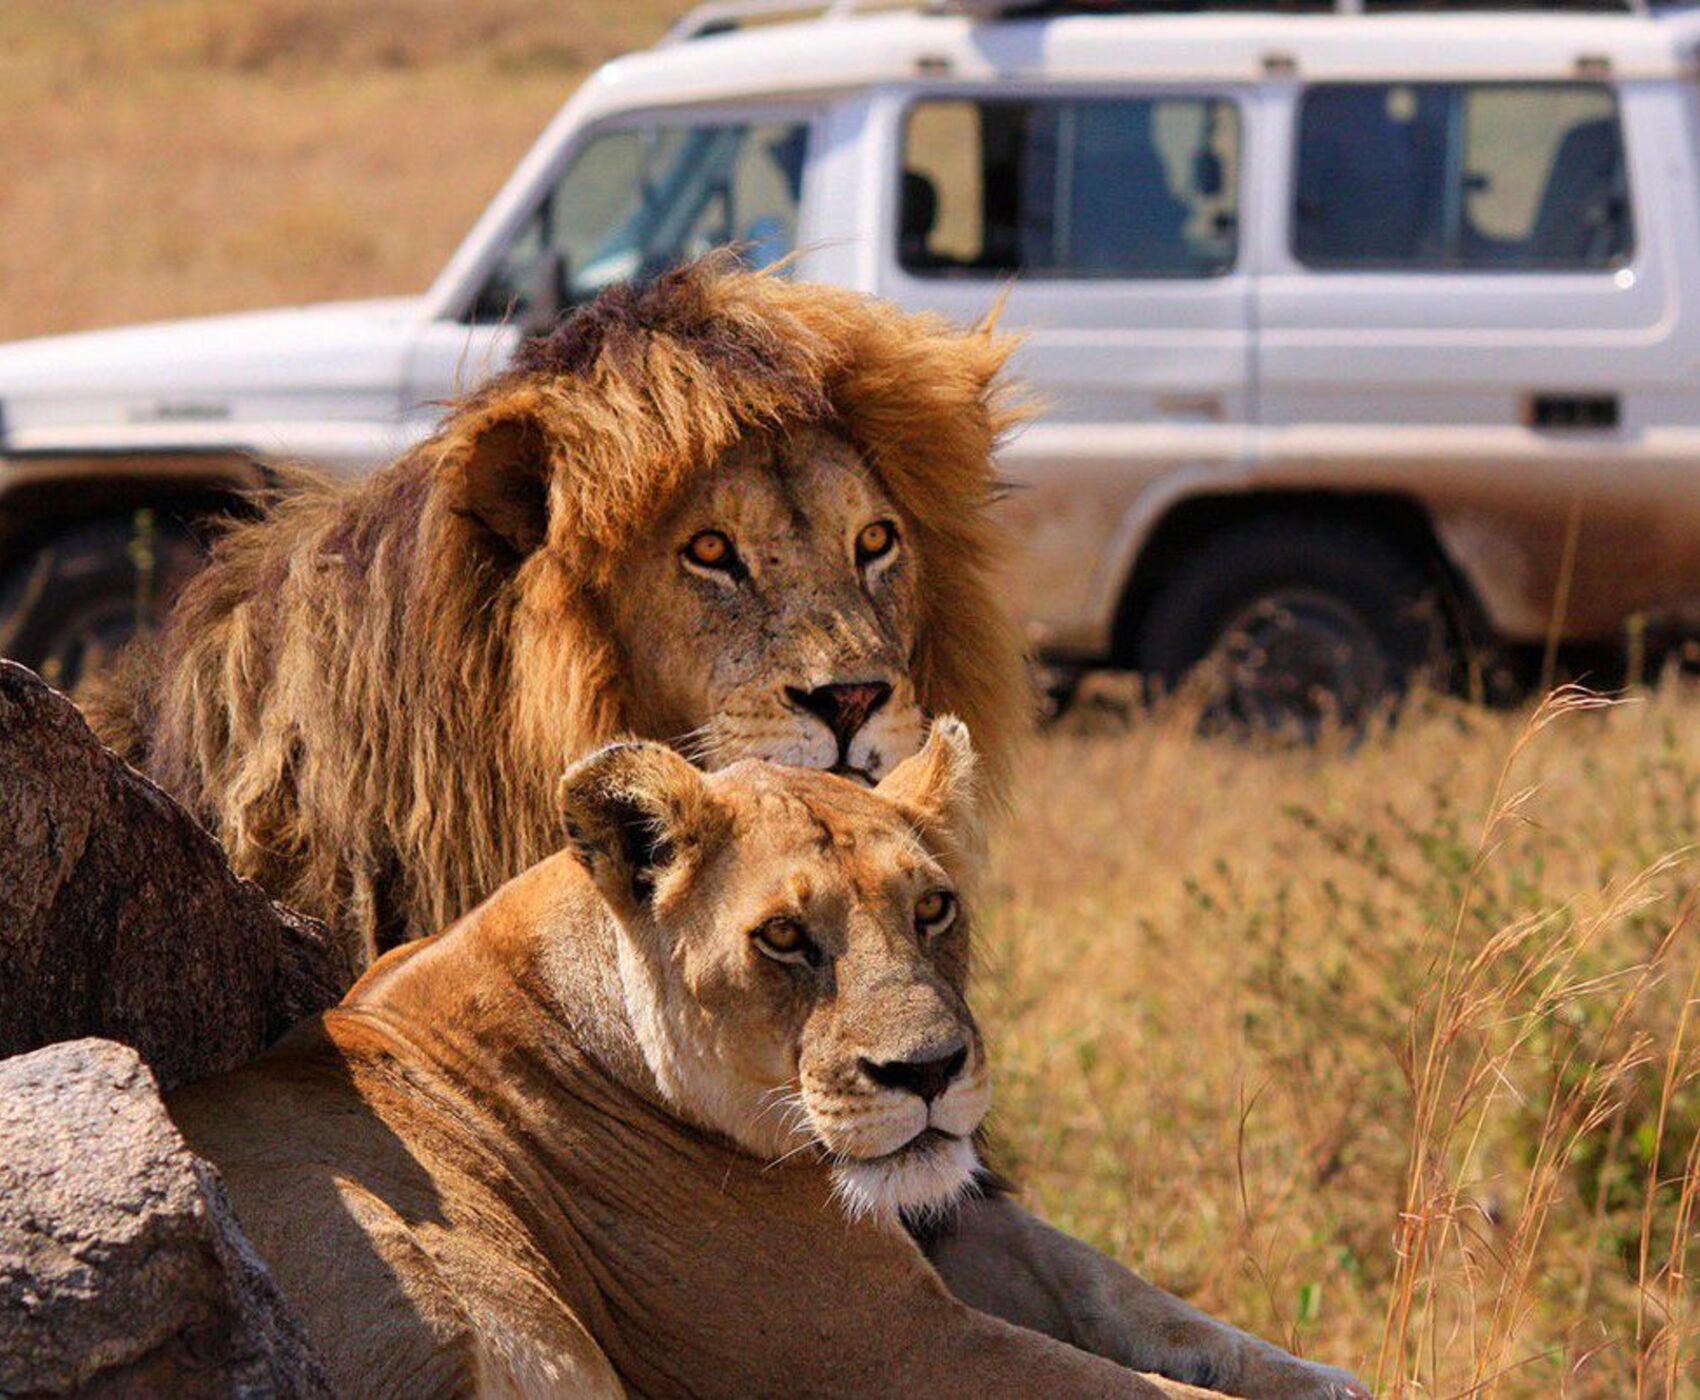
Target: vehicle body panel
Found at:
x=1271, y=379
x=321, y=381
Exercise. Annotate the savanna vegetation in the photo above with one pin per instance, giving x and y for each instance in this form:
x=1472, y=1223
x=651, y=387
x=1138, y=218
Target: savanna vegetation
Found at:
x=1386, y=1049
x=170, y=157
x=1383, y=1050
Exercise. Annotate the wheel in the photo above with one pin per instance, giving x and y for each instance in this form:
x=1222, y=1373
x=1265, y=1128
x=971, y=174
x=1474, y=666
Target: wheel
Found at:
x=1302, y=623
x=69, y=605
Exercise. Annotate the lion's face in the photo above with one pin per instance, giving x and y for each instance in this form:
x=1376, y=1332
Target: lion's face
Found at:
x=793, y=952
x=773, y=613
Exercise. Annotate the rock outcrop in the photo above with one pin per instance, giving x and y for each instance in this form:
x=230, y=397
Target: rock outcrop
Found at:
x=119, y=916
x=122, y=1268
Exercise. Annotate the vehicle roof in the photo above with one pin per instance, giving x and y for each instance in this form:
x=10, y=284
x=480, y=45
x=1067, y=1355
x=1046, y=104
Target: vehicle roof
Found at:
x=861, y=49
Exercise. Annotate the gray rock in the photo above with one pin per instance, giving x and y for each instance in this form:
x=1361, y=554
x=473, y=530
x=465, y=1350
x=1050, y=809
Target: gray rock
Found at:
x=119, y=916
x=122, y=1267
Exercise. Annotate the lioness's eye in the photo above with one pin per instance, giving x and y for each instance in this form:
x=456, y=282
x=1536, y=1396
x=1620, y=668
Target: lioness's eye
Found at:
x=784, y=940
x=709, y=549
x=874, y=541
x=934, y=913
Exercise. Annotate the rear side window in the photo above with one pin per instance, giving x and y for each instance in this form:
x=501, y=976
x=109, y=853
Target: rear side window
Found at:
x=1080, y=188
x=1463, y=177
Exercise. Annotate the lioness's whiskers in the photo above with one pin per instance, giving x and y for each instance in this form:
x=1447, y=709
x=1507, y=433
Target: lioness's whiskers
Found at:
x=699, y=745
x=787, y=1156
x=788, y=1101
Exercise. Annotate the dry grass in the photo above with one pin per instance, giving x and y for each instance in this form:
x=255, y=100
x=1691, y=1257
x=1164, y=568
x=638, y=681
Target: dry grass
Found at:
x=170, y=157
x=1383, y=1053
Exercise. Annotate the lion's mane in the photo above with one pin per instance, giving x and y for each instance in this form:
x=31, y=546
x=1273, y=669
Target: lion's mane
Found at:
x=343, y=694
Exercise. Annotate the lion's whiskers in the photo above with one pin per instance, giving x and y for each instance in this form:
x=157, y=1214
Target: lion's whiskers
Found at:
x=700, y=745
x=787, y=1100
x=787, y=1156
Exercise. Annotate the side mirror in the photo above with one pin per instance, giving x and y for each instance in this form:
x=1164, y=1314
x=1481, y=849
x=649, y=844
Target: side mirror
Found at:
x=548, y=293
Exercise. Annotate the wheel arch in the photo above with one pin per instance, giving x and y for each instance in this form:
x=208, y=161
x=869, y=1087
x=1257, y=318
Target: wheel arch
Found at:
x=46, y=494
x=1189, y=522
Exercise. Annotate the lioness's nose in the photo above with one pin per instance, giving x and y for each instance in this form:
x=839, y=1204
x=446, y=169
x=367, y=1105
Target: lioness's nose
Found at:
x=841, y=708
x=926, y=1079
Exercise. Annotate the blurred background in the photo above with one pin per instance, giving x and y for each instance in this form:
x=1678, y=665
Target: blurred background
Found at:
x=201, y=156
x=1378, y=1043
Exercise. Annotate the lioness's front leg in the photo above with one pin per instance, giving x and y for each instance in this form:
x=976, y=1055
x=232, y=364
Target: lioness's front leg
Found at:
x=1004, y=1261
x=936, y=1346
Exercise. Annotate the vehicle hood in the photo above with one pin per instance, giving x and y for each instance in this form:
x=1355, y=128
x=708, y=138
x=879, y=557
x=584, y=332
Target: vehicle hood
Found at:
x=337, y=360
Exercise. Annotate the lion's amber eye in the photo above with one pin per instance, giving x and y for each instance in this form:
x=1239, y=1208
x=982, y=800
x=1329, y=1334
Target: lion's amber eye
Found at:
x=935, y=912
x=711, y=549
x=875, y=540
x=784, y=940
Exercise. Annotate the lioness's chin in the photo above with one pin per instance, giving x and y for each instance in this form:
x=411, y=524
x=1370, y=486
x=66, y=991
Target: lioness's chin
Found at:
x=926, y=1178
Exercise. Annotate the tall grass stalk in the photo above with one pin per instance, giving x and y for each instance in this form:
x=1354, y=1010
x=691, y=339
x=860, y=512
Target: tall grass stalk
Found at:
x=1467, y=1042
x=1415, y=1091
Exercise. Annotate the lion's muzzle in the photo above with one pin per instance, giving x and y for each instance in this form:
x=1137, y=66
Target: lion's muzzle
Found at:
x=926, y=1077
x=848, y=710
x=900, y=1128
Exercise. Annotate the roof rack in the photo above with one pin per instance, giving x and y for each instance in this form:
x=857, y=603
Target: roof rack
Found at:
x=722, y=16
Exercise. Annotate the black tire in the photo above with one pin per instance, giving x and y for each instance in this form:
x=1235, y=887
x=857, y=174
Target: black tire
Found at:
x=1304, y=623
x=71, y=602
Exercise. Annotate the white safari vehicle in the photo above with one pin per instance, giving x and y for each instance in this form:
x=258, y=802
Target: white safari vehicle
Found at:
x=1364, y=338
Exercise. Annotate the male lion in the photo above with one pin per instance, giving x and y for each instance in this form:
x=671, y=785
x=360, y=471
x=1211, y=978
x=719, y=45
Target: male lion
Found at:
x=589, y=1137
x=730, y=512
x=743, y=515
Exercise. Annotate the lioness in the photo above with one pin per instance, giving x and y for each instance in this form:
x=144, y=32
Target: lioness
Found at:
x=589, y=1137
x=744, y=515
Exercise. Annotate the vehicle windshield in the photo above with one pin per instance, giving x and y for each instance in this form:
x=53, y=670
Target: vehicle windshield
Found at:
x=637, y=200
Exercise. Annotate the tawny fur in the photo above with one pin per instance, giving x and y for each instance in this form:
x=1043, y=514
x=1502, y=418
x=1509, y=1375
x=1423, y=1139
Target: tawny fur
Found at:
x=485, y=1174
x=368, y=695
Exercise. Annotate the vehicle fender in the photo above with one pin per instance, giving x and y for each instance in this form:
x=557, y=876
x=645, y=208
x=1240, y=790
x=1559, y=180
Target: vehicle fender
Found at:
x=1116, y=571
x=41, y=494
x=1472, y=580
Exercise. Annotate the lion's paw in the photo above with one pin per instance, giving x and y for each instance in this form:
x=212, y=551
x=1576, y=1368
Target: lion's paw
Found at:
x=1283, y=1377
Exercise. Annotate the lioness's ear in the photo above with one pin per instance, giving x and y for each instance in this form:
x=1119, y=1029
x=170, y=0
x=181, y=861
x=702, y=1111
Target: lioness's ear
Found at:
x=504, y=477
x=636, y=813
x=936, y=788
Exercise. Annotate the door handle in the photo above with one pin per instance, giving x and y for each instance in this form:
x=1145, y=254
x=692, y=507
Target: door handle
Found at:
x=1193, y=408
x=1564, y=411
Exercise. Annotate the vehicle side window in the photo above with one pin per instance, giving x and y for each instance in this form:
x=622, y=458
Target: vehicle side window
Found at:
x=1474, y=177
x=637, y=200
x=1075, y=188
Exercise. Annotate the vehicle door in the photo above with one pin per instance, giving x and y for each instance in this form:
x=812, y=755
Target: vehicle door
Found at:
x=1473, y=301
x=1109, y=218
x=628, y=199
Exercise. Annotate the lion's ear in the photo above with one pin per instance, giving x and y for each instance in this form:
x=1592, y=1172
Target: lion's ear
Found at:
x=505, y=479
x=935, y=788
x=636, y=814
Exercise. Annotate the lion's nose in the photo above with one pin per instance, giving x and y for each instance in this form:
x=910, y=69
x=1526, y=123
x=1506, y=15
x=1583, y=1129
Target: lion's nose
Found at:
x=843, y=709
x=926, y=1079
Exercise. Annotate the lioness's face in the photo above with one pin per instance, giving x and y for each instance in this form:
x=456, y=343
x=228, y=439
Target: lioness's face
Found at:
x=774, y=613
x=793, y=953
